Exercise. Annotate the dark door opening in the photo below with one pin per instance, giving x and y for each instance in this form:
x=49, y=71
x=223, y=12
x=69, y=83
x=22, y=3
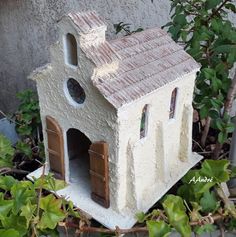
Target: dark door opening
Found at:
x=78, y=145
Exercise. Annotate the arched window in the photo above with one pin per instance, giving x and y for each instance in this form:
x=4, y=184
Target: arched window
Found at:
x=144, y=122
x=173, y=103
x=70, y=50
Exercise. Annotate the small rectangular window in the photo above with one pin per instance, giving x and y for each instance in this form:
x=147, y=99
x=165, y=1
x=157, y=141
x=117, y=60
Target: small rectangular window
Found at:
x=173, y=103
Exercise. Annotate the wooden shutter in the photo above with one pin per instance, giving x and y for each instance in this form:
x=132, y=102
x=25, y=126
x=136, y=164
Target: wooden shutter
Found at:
x=99, y=173
x=55, y=148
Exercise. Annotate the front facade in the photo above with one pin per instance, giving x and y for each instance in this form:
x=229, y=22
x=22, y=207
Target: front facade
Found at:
x=116, y=117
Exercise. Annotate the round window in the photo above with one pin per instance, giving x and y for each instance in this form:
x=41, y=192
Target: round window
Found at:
x=76, y=92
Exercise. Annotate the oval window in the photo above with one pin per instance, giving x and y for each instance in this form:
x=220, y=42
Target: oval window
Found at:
x=76, y=92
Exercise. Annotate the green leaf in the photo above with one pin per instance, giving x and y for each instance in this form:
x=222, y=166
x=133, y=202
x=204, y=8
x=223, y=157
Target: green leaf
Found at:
x=210, y=4
x=158, y=229
x=209, y=73
x=209, y=202
x=21, y=194
x=9, y=233
x=176, y=213
x=222, y=137
x=28, y=212
x=204, y=111
x=216, y=169
x=213, y=113
x=231, y=7
x=207, y=228
x=18, y=223
x=6, y=182
x=50, y=183
x=141, y=217
x=6, y=152
x=180, y=19
x=24, y=148
x=52, y=213
x=5, y=207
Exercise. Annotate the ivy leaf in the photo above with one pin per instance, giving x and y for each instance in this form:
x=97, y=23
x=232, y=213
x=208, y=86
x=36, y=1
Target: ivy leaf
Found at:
x=15, y=222
x=6, y=182
x=209, y=202
x=50, y=183
x=158, y=229
x=216, y=169
x=21, y=194
x=5, y=207
x=176, y=213
x=28, y=212
x=52, y=212
x=9, y=233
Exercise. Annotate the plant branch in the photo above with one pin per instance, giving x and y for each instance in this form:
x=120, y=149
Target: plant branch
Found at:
x=205, y=131
x=217, y=10
x=7, y=170
x=88, y=229
x=227, y=108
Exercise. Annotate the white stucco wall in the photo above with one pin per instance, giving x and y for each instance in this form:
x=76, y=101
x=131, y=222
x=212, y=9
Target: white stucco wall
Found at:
x=96, y=118
x=143, y=163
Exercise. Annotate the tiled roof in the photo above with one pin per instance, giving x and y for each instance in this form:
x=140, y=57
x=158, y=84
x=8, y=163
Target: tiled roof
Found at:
x=146, y=61
x=87, y=21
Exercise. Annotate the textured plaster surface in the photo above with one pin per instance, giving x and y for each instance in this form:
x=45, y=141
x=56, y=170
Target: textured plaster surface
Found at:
x=167, y=145
x=140, y=170
x=28, y=27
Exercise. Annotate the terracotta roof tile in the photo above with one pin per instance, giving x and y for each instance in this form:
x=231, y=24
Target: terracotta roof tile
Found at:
x=87, y=21
x=147, y=61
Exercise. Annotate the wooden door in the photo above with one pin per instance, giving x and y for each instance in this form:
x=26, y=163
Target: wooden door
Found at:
x=55, y=148
x=99, y=173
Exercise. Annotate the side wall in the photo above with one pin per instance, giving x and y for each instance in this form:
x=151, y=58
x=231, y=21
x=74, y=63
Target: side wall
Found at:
x=28, y=27
x=96, y=118
x=153, y=159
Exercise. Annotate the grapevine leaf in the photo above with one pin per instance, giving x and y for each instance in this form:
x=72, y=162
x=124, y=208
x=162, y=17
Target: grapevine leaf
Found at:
x=216, y=169
x=209, y=202
x=158, y=229
x=176, y=213
x=52, y=212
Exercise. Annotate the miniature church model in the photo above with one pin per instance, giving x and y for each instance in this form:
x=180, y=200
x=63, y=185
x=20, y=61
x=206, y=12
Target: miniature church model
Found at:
x=117, y=117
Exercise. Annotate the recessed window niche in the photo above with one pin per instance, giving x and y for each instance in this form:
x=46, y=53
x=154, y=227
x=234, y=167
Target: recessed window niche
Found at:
x=70, y=50
x=74, y=92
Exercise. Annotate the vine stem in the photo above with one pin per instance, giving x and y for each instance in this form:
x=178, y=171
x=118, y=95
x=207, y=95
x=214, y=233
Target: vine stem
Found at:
x=205, y=131
x=117, y=230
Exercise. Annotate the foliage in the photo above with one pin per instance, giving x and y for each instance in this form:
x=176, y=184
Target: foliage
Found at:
x=125, y=27
x=27, y=116
x=28, y=125
x=197, y=197
x=203, y=28
x=24, y=212
x=6, y=152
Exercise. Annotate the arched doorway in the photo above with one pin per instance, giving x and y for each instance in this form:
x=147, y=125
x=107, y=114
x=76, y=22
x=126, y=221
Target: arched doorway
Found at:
x=78, y=145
